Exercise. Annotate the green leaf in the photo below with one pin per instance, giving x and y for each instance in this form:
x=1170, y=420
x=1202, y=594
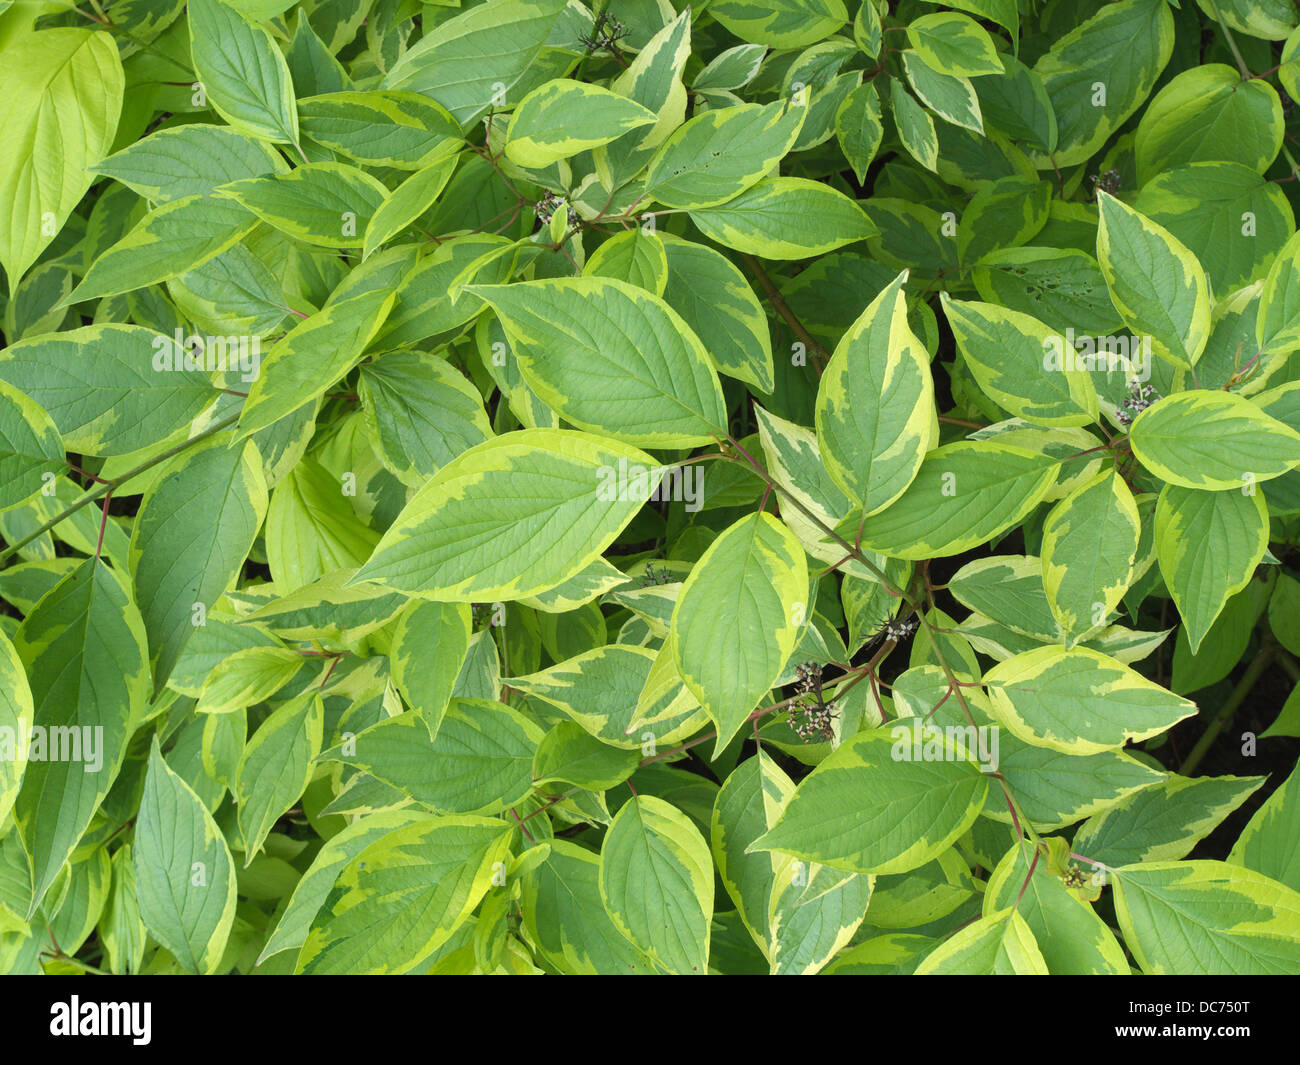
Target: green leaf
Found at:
x=1022, y=365
x=656, y=881
x=184, y=873
x=875, y=410
x=1277, y=327
x=563, y=117
x=311, y=357
x=571, y=755
x=1102, y=70
x=1213, y=440
x=84, y=651
x=781, y=23
x=192, y=160
x=405, y=130
x=314, y=886
x=472, y=61
x=1208, y=113
x=1268, y=842
x=540, y=499
x=479, y=763
x=419, y=883
x=720, y=154
x=963, y=495
x=785, y=218
x=1072, y=938
x=1079, y=701
x=954, y=43
x=243, y=74
x=950, y=97
x=1208, y=545
x=599, y=690
x=1162, y=822
x=169, y=241
x=16, y=712
x=633, y=371
x=1156, y=284
x=246, y=677
x=915, y=126
x=63, y=94
x=202, y=515
x=420, y=412
x=1207, y=918
x=859, y=127
x=747, y=805
x=871, y=808
x=563, y=912
x=408, y=202
x=636, y=256
x=1000, y=943
x=715, y=300
x=430, y=642
x=738, y=619
x=1090, y=544
x=1230, y=217
x=275, y=767
x=330, y=204
x=31, y=451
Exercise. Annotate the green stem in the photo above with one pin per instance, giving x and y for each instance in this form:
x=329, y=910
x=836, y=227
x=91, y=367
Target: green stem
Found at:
x=108, y=486
x=1221, y=720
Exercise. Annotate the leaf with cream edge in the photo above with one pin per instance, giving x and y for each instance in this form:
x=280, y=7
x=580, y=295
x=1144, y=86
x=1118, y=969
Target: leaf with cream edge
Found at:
x=1079, y=701
x=184, y=873
x=430, y=642
x=1010, y=355
x=104, y=385
x=62, y=90
x=746, y=806
x=1208, y=545
x=1156, y=284
x=785, y=218
x=1072, y=938
x=719, y=154
x=611, y=358
x=203, y=514
x=998, y=944
x=312, y=356
x=656, y=880
x=875, y=411
x=511, y=517
x=276, y=767
x=1090, y=542
x=16, y=712
x=419, y=882
x=470, y=62
x=243, y=74
x=964, y=495
x=84, y=650
x=1214, y=440
x=563, y=117
x=866, y=809
x=1207, y=918
x=738, y=619
x=30, y=447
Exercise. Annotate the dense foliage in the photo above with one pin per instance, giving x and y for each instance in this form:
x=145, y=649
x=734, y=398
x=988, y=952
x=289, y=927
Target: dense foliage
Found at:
x=533, y=486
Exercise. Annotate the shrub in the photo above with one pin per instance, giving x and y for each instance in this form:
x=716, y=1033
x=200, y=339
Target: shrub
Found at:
x=526, y=486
